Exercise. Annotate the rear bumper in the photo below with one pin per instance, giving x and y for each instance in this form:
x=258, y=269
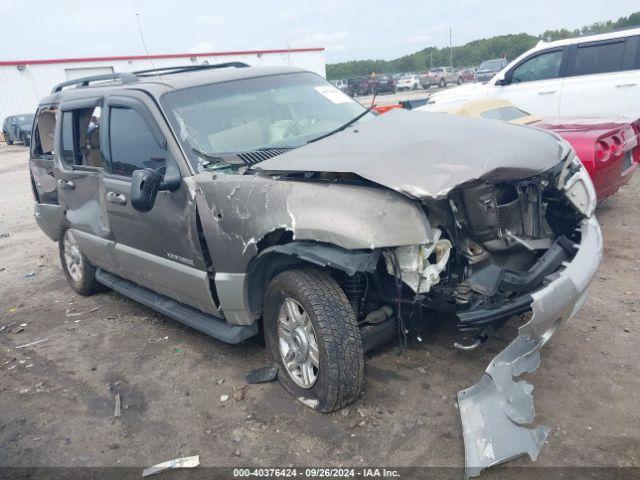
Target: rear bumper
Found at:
x=50, y=219
x=607, y=186
x=495, y=410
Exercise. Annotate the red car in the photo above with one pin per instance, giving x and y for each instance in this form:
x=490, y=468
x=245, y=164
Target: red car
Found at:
x=609, y=148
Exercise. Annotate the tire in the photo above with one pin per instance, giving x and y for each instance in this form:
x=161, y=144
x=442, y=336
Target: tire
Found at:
x=443, y=83
x=7, y=138
x=23, y=139
x=82, y=276
x=318, y=305
x=459, y=80
x=415, y=86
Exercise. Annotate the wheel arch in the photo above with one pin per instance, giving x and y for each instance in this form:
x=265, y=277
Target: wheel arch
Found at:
x=278, y=258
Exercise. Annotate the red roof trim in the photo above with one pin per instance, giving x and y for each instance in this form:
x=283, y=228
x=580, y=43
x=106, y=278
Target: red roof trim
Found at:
x=156, y=57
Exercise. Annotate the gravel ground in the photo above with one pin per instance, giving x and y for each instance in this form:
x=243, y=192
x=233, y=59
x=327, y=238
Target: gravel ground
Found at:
x=57, y=397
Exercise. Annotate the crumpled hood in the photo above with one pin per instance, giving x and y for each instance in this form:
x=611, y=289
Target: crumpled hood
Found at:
x=425, y=155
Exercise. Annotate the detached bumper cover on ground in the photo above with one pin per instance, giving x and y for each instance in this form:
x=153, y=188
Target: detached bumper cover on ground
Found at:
x=495, y=410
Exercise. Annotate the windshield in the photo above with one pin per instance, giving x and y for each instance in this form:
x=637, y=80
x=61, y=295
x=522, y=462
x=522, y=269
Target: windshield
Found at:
x=22, y=119
x=491, y=65
x=257, y=113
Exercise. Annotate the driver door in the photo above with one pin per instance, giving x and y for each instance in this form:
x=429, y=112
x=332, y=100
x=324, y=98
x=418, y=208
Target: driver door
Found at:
x=535, y=84
x=158, y=249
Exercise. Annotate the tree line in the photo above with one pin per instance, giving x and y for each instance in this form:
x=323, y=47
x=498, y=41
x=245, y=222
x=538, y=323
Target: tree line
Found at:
x=473, y=53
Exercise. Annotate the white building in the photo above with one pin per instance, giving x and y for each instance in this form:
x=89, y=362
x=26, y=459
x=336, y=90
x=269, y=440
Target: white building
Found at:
x=24, y=82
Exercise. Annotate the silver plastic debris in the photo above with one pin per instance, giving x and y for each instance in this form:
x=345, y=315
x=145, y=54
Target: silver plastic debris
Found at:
x=496, y=410
x=185, y=462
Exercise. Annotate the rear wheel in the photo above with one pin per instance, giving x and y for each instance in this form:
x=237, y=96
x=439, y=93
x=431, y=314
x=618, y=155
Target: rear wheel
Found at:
x=459, y=80
x=80, y=274
x=7, y=138
x=443, y=83
x=312, y=334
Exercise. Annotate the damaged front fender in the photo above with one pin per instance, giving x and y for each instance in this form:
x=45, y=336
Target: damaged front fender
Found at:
x=495, y=410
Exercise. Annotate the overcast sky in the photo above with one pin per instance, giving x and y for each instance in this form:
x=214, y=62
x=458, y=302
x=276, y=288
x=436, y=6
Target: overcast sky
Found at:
x=348, y=29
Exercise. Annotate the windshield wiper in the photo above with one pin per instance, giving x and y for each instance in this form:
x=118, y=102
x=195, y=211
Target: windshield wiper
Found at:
x=342, y=127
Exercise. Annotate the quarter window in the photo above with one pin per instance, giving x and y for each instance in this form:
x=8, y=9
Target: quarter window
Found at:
x=133, y=146
x=541, y=67
x=599, y=58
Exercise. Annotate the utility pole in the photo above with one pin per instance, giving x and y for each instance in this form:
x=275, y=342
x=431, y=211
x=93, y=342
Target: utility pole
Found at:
x=450, y=50
x=431, y=63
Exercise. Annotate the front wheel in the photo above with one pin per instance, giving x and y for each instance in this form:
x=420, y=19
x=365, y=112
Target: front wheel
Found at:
x=80, y=274
x=459, y=80
x=25, y=140
x=443, y=83
x=8, y=139
x=311, y=333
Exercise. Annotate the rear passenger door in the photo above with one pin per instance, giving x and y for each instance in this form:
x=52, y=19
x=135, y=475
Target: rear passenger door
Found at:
x=78, y=171
x=603, y=78
x=158, y=249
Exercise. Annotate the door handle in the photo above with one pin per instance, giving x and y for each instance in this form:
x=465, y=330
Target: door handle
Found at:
x=66, y=184
x=546, y=92
x=118, y=198
x=622, y=85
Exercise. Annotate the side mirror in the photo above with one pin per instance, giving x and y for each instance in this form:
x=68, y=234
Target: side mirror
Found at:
x=145, y=184
x=501, y=82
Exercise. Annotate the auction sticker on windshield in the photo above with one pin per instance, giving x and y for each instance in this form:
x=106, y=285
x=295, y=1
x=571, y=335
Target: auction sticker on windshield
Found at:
x=333, y=94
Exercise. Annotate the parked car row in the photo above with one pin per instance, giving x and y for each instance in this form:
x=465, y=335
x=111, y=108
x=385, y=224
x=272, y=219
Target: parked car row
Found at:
x=439, y=77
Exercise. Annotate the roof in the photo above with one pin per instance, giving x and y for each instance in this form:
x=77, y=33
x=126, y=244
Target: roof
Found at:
x=589, y=38
x=157, y=85
x=156, y=57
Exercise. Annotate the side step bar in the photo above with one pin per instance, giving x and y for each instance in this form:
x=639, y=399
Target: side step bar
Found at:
x=191, y=317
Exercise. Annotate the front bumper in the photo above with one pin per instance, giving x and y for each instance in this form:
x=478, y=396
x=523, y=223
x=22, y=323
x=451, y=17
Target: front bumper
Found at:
x=495, y=410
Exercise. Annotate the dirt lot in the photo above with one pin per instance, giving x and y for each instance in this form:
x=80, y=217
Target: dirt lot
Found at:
x=57, y=397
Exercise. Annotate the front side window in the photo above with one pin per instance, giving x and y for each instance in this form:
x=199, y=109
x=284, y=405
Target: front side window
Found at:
x=133, y=146
x=599, y=58
x=257, y=113
x=541, y=67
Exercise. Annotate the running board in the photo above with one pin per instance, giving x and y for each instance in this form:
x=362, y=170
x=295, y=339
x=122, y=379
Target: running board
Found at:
x=190, y=316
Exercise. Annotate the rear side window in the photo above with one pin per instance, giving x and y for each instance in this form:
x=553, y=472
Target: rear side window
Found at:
x=599, y=58
x=81, y=137
x=68, y=146
x=133, y=146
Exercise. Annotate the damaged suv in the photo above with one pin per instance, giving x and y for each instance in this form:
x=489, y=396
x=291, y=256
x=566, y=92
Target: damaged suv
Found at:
x=225, y=196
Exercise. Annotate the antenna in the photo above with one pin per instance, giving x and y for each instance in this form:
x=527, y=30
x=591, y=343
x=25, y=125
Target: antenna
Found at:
x=144, y=44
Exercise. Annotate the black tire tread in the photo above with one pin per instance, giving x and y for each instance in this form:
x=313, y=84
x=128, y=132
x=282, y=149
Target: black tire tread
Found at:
x=88, y=285
x=338, y=329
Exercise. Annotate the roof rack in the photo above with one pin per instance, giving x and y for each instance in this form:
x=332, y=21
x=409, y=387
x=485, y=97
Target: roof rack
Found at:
x=132, y=77
x=124, y=77
x=188, y=68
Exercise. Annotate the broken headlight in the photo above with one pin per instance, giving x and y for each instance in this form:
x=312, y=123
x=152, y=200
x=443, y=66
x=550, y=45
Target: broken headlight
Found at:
x=577, y=186
x=419, y=266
